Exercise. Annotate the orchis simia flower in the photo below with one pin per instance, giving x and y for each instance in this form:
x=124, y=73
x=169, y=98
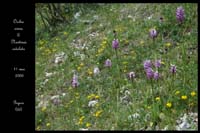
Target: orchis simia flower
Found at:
x=74, y=81
x=108, y=63
x=173, y=69
x=115, y=44
x=156, y=75
x=157, y=63
x=153, y=33
x=180, y=15
x=149, y=73
x=147, y=64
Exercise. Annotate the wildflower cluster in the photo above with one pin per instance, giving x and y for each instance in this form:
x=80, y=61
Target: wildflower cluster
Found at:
x=103, y=45
x=149, y=71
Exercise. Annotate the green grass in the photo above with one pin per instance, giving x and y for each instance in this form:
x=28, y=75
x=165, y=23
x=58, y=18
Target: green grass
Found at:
x=135, y=47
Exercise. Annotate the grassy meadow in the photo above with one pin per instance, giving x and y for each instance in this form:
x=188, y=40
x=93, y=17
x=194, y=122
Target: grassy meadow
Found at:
x=106, y=97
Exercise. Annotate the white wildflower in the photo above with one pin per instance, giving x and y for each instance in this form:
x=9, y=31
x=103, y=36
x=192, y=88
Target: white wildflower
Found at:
x=76, y=53
x=77, y=15
x=134, y=116
x=96, y=71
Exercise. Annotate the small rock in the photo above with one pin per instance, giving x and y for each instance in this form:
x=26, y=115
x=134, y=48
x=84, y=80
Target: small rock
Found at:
x=60, y=57
x=63, y=94
x=78, y=32
x=166, y=127
x=83, y=129
x=58, y=60
x=48, y=74
x=184, y=125
x=42, y=103
x=92, y=103
x=55, y=97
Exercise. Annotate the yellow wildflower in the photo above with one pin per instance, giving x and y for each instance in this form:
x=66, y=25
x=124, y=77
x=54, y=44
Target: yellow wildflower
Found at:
x=48, y=124
x=67, y=105
x=126, y=42
x=141, y=42
x=124, y=62
x=193, y=93
x=103, y=47
x=100, y=51
x=71, y=101
x=90, y=72
x=133, y=52
x=184, y=97
x=43, y=109
x=168, y=44
x=104, y=42
x=79, y=68
x=81, y=65
x=98, y=113
x=162, y=62
x=157, y=98
x=97, y=105
x=177, y=92
x=169, y=104
x=149, y=107
x=87, y=124
x=77, y=95
x=97, y=97
x=38, y=128
x=82, y=117
x=105, y=38
x=91, y=96
x=80, y=122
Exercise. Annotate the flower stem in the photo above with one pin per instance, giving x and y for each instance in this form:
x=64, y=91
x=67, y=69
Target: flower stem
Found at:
x=153, y=105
